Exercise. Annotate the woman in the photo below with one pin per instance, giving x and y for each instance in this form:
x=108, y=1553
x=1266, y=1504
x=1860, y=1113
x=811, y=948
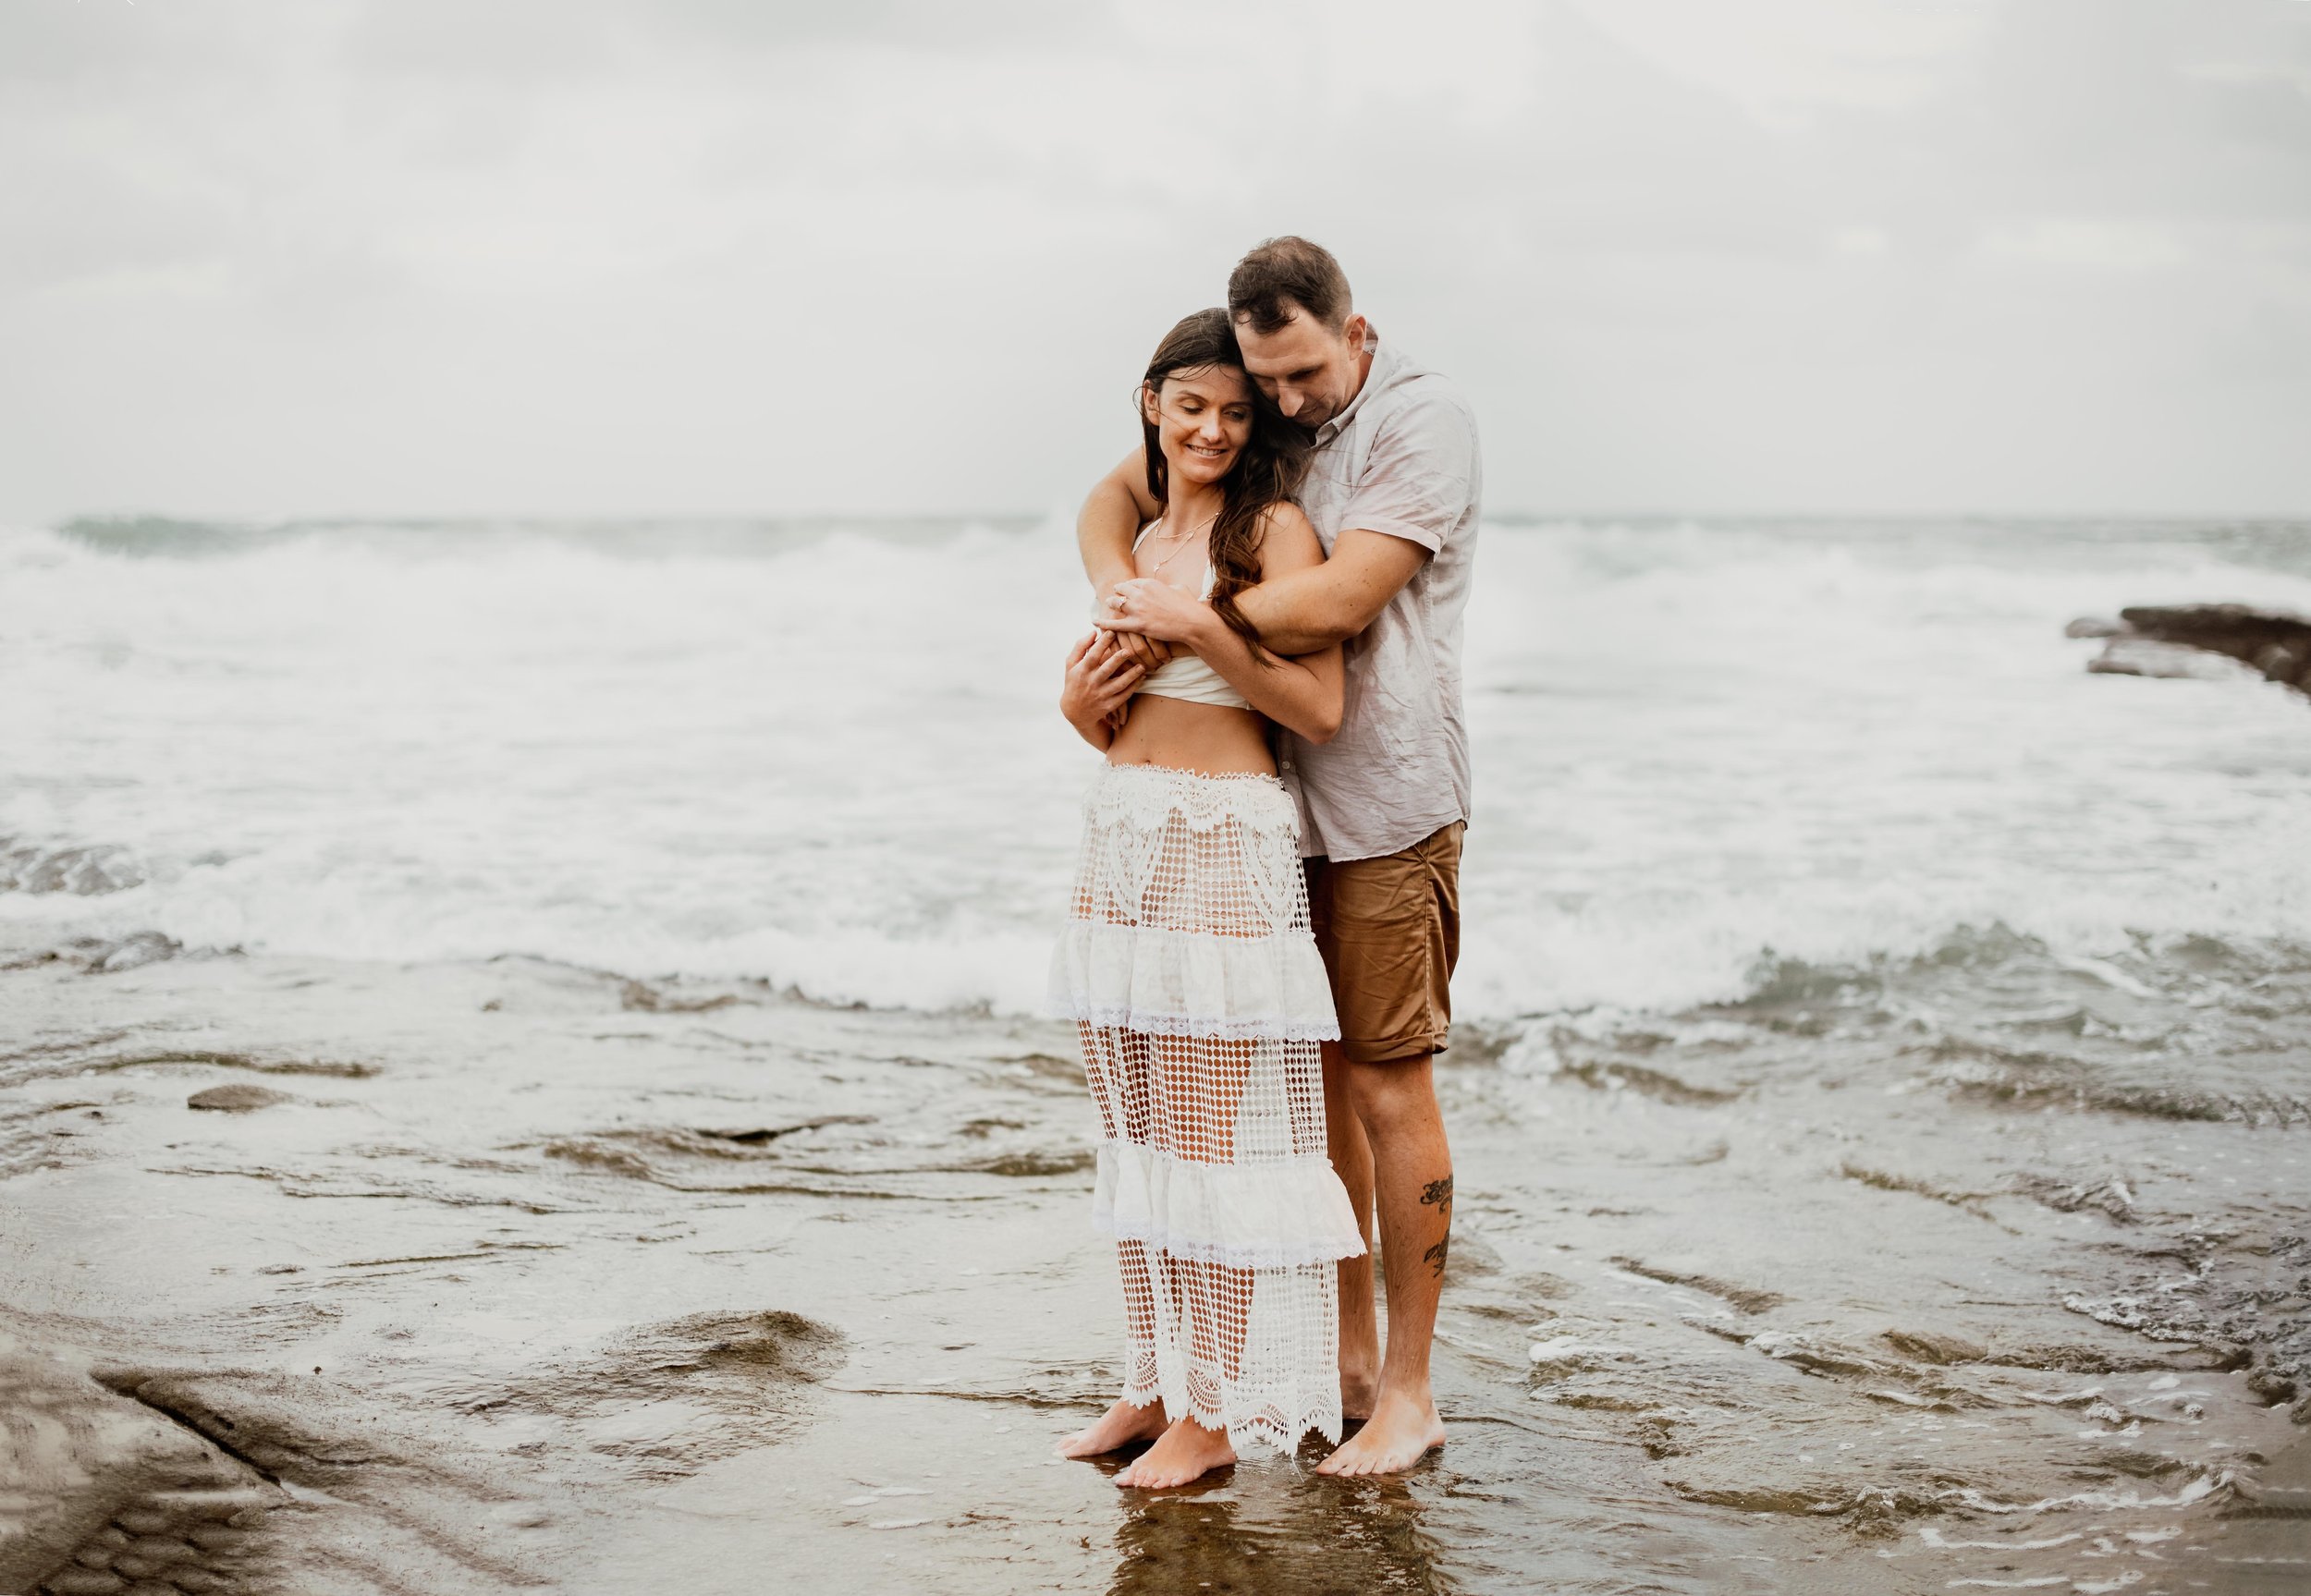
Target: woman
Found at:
x=1187, y=962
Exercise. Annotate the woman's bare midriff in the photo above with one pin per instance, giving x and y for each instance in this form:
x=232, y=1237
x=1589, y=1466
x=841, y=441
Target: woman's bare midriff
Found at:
x=1210, y=739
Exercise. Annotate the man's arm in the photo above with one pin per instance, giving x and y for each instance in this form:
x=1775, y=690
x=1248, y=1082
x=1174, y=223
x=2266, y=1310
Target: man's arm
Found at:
x=1301, y=612
x=1111, y=517
x=1418, y=485
x=1306, y=611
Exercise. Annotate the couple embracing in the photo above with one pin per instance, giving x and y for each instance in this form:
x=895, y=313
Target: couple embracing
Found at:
x=1265, y=913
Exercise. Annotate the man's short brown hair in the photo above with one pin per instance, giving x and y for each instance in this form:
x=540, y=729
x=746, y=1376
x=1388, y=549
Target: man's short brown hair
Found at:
x=1280, y=273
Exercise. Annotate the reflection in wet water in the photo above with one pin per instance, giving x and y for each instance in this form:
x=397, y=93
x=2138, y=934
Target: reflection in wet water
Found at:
x=1285, y=1532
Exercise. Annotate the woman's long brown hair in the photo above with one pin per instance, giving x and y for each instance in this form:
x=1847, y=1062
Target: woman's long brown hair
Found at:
x=1268, y=470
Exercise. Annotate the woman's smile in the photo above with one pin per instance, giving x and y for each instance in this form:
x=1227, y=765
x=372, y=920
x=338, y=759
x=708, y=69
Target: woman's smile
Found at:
x=1203, y=417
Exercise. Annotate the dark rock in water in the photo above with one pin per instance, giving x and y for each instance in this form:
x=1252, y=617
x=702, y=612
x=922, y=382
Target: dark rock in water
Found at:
x=639, y=997
x=2110, y=1195
x=2273, y=642
x=1928, y=1346
x=2125, y=656
x=238, y=1097
x=1749, y=1300
x=130, y=953
x=1032, y=1163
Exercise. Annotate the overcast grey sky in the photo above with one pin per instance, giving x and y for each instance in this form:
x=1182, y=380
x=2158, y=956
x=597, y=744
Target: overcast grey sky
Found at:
x=607, y=256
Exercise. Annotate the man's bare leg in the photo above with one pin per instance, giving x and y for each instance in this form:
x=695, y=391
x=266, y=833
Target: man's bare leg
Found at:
x=1396, y=1104
x=1360, y=1321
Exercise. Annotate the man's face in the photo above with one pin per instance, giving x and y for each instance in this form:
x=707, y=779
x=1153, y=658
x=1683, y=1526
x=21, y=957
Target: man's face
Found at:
x=1309, y=369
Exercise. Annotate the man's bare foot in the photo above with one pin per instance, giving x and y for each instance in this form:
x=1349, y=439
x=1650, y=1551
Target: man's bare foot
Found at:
x=1120, y=1426
x=1401, y=1431
x=1187, y=1451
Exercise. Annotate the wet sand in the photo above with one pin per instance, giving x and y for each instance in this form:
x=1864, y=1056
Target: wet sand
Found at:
x=515, y=1277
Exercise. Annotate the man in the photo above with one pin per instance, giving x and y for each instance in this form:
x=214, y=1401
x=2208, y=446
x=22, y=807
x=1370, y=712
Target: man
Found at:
x=1393, y=490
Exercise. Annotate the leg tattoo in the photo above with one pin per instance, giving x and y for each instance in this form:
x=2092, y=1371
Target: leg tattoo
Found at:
x=1440, y=1194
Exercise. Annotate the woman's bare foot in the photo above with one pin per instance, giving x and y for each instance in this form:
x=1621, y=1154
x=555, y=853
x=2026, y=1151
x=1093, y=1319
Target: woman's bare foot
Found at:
x=1358, y=1388
x=1118, y=1427
x=1401, y=1431
x=1187, y=1451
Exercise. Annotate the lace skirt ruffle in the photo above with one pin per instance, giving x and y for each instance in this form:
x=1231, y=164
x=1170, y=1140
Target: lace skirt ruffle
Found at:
x=1267, y=1215
x=1191, y=911
x=1192, y=983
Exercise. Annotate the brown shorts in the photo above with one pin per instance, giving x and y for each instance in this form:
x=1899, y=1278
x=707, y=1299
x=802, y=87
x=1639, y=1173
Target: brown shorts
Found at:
x=1389, y=931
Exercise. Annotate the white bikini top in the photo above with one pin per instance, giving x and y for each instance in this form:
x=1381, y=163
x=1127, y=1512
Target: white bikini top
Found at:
x=1187, y=677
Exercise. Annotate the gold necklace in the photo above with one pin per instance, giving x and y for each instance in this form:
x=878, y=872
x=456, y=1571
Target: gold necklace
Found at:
x=1186, y=538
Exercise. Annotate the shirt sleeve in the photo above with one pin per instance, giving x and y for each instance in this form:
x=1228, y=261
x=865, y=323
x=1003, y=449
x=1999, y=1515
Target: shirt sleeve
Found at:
x=1420, y=479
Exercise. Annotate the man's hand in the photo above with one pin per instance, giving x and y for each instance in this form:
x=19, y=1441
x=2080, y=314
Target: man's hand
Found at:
x=1151, y=607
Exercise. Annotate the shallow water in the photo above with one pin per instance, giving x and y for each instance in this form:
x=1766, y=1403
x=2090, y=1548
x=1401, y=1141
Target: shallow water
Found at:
x=1879, y=1103
x=544, y=1277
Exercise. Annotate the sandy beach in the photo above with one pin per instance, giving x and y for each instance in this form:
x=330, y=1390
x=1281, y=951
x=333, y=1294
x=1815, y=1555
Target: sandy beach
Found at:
x=513, y=1275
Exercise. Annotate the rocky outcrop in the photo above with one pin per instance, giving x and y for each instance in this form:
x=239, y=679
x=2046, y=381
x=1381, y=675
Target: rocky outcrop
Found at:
x=101, y=1494
x=2175, y=641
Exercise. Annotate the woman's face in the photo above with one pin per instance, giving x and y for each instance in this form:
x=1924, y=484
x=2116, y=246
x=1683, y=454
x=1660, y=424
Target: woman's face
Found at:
x=1203, y=420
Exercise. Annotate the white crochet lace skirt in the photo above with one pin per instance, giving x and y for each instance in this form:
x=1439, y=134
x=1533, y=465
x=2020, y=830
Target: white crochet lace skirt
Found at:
x=1188, y=970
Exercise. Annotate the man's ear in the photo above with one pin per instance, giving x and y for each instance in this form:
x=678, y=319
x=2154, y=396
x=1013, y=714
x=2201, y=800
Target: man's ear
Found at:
x=1357, y=330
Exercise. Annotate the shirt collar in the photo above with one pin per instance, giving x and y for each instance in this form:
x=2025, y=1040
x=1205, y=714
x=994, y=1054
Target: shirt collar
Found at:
x=1383, y=369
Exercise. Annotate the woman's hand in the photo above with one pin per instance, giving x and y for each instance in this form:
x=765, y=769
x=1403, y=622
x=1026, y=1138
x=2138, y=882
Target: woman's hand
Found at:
x=1153, y=608
x=1153, y=656
x=1099, y=682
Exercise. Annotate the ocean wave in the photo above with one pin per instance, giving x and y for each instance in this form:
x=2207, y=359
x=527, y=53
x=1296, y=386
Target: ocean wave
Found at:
x=84, y=870
x=1715, y=763
x=170, y=537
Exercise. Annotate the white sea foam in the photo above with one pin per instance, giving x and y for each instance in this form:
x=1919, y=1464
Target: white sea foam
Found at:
x=832, y=760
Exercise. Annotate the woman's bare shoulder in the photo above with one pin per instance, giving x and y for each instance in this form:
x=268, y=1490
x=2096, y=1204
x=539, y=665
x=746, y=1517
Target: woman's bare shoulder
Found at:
x=1288, y=539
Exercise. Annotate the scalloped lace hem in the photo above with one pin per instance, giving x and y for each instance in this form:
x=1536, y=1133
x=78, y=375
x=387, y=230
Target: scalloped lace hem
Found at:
x=1265, y=1427
x=1123, y=1017
x=1279, y=1435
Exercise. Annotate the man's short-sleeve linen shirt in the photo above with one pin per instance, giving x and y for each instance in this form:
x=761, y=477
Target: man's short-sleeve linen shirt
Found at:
x=1400, y=460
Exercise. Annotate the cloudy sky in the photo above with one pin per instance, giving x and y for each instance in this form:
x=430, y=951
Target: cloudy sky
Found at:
x=617, y=256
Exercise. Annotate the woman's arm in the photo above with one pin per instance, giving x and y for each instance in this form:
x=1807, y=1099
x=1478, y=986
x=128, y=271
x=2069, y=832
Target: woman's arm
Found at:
x=1303, y=694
